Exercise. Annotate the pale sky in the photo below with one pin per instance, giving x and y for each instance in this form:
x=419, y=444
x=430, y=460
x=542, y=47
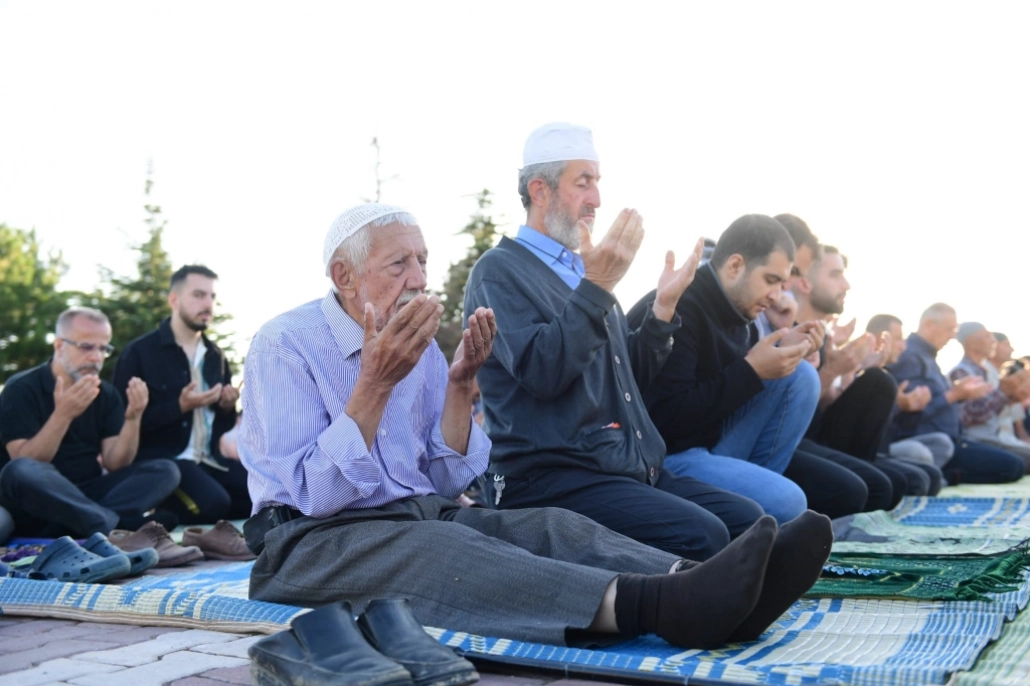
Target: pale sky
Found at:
x=897, y=130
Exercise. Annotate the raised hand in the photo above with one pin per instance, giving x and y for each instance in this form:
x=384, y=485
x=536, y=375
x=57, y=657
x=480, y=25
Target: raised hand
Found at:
x=227, y=400
x=969, y=388
x=915, y=400
x=814, y=332
x=138, y=395
x=72, y=401
x=476, y=343
x=842, y=333
x=389, y=355
x=848, y=359
x=190, y=398
x=673, y=282
x=880, y=352
x=772, y=362
x=607, y=262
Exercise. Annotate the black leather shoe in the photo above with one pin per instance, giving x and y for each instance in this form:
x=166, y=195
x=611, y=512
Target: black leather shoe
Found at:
x=323, y=648
x=392, y=629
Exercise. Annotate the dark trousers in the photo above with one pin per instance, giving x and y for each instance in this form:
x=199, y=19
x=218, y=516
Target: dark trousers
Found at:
x=855, y=423
x=45, y=503
x=976, y=463
x=679, y=515
x=881, y=490
x=831, y=489
x=206, y=494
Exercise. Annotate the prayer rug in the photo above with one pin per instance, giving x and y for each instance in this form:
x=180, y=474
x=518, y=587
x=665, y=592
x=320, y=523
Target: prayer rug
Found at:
x=1016, y=489
x=971, y=512
x=879, y=532
x=1006, y=661
x=845, y=641
x=925, y=577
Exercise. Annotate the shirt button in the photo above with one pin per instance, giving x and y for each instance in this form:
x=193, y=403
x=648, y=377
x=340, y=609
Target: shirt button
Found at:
x=640, y=435
x=617, y=360
x=185, y=422
x=382, y=432
x=652, y=472
x=628, y=398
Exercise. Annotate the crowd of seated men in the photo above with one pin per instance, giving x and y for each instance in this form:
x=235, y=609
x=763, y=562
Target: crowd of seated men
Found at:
x=638, y=472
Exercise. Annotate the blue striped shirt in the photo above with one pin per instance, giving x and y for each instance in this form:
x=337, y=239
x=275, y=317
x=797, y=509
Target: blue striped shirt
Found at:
x=301, y=449
x=566, y=264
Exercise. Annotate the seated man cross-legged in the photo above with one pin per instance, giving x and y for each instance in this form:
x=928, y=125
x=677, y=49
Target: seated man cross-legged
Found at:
x=358, y=437
x=56, y=419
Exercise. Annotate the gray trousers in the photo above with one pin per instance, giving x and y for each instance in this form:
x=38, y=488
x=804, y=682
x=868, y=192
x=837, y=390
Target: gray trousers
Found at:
x=522, y=574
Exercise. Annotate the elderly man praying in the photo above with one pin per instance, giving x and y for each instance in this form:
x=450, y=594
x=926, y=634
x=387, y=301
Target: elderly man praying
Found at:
x=357, y=436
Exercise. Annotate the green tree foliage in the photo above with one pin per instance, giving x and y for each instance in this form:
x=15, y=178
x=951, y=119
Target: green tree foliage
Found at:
x=483, y=230
x=29, y=300
x=136, y=304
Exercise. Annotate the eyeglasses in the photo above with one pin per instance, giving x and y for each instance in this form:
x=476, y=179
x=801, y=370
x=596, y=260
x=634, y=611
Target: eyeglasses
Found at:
x=87, y=348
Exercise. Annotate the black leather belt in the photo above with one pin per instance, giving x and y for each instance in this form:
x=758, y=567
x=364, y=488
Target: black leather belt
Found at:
x=255, y=528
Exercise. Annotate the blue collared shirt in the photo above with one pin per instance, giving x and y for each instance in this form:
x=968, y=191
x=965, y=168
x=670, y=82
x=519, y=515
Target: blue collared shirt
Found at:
x=918, y=365
x=301, y=448
x=566, y=264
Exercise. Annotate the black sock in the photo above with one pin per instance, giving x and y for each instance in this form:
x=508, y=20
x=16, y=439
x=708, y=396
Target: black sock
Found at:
x=699, y=607
x=801, y=549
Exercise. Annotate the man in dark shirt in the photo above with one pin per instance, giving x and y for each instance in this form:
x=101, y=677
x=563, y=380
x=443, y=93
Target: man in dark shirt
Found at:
x=561, y=391
x=731, y=408
x=193, y=402
x=56, y=419
x=971, y=462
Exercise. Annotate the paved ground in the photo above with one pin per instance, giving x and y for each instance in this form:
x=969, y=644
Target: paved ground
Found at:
x=38, y=652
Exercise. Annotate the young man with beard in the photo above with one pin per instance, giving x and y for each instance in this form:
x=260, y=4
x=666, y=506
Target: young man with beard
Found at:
x=358, y=437
x=562, y=391
x=56, y=419
x=193, y=402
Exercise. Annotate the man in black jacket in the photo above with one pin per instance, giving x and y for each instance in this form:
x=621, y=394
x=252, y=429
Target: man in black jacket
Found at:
x=731, y=408
x=192, y=402
x=562, y=390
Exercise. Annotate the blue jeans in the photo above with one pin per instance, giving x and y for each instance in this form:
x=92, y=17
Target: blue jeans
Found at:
x=757, y=444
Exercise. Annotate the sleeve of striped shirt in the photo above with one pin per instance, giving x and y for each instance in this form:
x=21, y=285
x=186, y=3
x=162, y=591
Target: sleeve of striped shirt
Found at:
x=450, y=471
x=322, y=462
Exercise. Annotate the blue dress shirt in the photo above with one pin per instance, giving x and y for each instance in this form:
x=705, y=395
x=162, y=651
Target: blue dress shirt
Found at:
x=566, y=264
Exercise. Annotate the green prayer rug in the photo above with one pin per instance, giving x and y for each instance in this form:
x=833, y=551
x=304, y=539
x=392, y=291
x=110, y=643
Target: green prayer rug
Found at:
x=918, y=577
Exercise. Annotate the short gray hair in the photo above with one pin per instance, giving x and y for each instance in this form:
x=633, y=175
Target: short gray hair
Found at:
x=937, y=312
x=64, y=320
x=354, y=249
x=549, y=172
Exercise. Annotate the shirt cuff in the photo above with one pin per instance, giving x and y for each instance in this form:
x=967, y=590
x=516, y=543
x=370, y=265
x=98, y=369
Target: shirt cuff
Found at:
x=344, y=446
x=655, y=333
x=595, y=296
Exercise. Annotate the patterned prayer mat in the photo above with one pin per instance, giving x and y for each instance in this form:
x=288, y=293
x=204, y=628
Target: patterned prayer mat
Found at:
x=926, y=577
x=880, y=532
x=970, y=512
x=1017, y=489
x=1006, y=661
x=845, y=641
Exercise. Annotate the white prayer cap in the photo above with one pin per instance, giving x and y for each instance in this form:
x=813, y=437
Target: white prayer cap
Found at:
x=559, y=142
x=348, y=223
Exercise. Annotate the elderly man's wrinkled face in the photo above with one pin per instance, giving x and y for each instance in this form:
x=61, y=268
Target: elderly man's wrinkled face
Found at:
x=395, y=270
x=576, y=197
x=829, y=286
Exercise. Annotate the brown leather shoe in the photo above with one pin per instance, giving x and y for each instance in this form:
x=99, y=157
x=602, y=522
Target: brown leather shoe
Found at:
x=223, y=541
x=153, y=535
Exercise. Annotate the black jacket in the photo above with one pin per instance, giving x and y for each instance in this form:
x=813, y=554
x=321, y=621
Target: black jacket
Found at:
x=561, y=386
x=159, y=361
x=706, y=379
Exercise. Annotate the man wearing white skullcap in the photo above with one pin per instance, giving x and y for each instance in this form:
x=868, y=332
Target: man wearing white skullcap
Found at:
x=560, y=393
x=357, y=437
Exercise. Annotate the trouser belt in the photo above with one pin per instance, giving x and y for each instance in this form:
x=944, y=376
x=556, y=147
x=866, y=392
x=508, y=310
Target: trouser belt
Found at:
x=255, y=528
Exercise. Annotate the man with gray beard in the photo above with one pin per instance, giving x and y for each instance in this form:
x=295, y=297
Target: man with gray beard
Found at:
x=562, y=390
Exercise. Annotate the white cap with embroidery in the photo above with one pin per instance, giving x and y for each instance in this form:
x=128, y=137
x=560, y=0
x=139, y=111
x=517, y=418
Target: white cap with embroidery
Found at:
x=559, y=142
x=348, y=223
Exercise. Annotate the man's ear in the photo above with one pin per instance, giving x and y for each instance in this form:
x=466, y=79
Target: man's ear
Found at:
x=344, y=279
x=539, y=192
x=173, y=300
x=734, y=266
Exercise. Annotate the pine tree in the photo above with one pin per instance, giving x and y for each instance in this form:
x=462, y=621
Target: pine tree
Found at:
x=483, y=230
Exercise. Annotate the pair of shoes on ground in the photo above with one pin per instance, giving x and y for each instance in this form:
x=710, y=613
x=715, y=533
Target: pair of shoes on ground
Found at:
x=386, y=646
x=222, y=542
x=94, y=562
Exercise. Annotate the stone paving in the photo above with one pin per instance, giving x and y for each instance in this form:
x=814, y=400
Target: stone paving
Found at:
x=51, y=652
